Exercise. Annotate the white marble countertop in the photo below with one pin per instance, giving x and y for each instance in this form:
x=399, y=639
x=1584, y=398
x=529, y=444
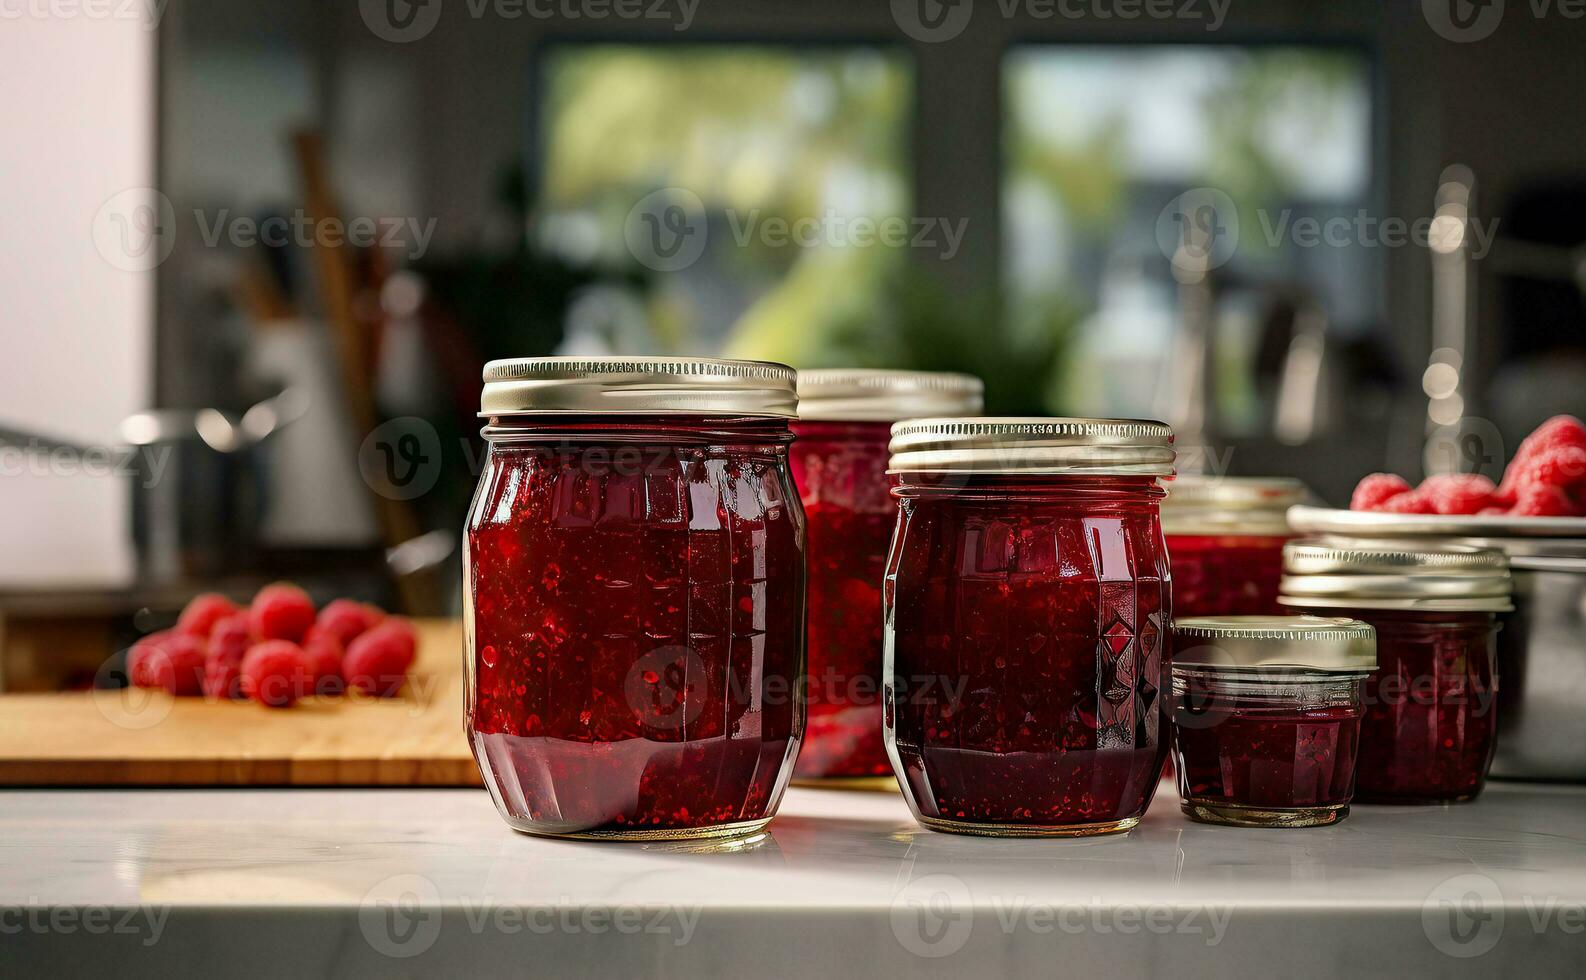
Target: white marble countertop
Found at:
x=385, y=883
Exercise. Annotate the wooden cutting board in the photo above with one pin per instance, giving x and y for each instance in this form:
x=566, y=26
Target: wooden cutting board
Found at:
x=144, y=738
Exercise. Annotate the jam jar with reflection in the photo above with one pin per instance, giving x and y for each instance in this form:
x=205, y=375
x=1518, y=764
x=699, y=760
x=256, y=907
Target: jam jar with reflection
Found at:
x=1027, y=604
x=840, y=466
x=635, y=596
x=1266, y=717
x=1225, y=538
x=1432, y=708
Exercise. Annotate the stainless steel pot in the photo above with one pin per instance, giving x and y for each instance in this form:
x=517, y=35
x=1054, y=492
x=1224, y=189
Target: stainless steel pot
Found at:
x=1542, y=646
x=193, y=481
x=1542, y=664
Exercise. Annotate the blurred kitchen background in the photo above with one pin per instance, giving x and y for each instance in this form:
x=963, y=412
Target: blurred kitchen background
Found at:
x=276, y=403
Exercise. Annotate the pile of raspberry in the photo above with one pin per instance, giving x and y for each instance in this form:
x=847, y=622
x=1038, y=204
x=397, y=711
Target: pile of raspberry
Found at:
x=276, y=650
x=1546, y=478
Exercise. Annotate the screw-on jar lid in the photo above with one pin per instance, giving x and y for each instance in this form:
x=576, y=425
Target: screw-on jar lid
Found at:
x=1321, y=644
x=876, y=395
x=1394, y=575
x=1034, y=446
x=1230, y=504
x=638, y=386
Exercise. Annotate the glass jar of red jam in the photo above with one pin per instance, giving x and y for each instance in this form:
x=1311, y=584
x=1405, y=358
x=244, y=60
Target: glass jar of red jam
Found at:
x=1225, y=538
x=634, y=616
x=840, y=466
x=1431, y=709
x=1027, y=604
x=1266, y=717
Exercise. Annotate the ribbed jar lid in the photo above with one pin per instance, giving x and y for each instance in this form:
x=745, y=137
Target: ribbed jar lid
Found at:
x=638, y=386
x=1395, y=575
x=1231, y=504
x=878, y=395
x=1033, y=446
x=1313, y=643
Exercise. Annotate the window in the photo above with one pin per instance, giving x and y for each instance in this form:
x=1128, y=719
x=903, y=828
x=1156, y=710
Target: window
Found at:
x=723, y=192
x=1099, y=144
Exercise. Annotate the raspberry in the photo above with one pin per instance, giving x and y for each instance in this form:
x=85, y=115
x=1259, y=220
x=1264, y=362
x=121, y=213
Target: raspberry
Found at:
x=346, y=620
x=324, y=653
x=1406, y=503
x=223, y=666
x=203, y=612
x=1556, y=432
x=1457, y=493
x=1560, y=431
x=377, y=662
x=169, y=660
x=1544, y=500
x=281, y=612
x=1377, y=489
x=1560, y=466
x=276, y=673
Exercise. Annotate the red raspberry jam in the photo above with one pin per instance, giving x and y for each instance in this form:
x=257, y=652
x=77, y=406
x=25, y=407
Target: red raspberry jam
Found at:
x=840, y=466
x=841, y=472
x=1431, y=709
x=1025, y=615
x=1226, y=575
x=1225, y=539
x=1266, y=717
x=635, y=618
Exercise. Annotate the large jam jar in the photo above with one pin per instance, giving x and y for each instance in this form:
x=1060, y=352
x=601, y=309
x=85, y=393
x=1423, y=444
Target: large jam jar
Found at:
x=1266, y=717
x=634, y=596
x=1027, y=607
x=840, y=466
x=1431, y=708
x=1225, y=538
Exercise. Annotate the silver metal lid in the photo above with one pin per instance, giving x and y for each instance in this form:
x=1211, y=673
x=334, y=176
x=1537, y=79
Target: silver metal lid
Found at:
x=638, y=386
x=1394, y=575
x=1034, y=446
x=1230, y=505
x=1311, y=643
x=877, y=395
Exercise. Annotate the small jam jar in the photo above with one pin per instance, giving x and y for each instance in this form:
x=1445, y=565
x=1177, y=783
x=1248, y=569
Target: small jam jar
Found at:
x=840, y=466
x=1266, y=717
x=1225, y=538
x=634, y=596
x=1431, y=710
x=1027, y=607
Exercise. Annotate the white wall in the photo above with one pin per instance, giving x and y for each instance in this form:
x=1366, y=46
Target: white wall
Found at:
x=77, y=117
